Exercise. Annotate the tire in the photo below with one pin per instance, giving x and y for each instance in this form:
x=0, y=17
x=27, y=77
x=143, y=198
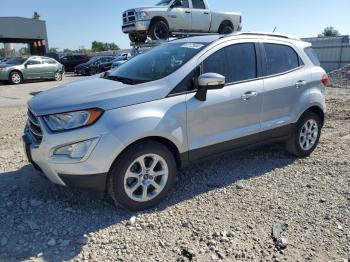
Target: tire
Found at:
x=58, y=76
x=225, y=29
x=159, y=30
x=141, y=179
x=138, y=37
x=15, y=78
x=304, y=140
x=92, y=71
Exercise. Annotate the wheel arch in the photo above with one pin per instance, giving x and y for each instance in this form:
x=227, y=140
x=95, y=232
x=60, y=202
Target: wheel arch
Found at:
x=226, y=22
x=158, y=18
x=317, y=110
x=15, y=70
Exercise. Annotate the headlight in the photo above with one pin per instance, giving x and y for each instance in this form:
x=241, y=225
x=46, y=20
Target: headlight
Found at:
x=72, y=120
x=143, y=15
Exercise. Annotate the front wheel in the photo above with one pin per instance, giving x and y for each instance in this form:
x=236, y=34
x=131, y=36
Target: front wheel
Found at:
x=159, y=30
x=15, y=78
x=142, y=176
x=92, y=71
x=306, y=135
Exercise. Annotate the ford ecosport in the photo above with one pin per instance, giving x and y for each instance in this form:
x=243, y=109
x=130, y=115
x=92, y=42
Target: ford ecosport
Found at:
x=129, y=130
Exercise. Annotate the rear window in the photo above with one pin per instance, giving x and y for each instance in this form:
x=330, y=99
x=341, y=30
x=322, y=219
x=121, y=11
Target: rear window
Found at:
x=280, y=59
x=313, y=56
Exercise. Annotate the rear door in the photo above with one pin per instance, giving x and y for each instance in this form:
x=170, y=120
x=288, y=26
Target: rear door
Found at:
x=201, y=18
x=50, y=67
x=230, y=113
x=179, y=17
x=286, y=79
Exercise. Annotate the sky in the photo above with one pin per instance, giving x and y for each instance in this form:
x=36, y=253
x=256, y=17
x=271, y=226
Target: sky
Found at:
x=75, y=23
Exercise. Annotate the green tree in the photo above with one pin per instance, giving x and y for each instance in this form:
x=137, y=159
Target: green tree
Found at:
x=329, y=31
x=2, y=52
x=99, y=46
x=24, y=51
x=53, y=50
x=67, y=50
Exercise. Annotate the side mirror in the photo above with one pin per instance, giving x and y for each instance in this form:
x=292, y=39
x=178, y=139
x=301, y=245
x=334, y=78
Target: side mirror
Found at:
x=209, y=81
x=26, y=65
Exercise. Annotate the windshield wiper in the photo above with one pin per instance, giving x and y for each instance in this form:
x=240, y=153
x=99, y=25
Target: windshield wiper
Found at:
x=125, y=80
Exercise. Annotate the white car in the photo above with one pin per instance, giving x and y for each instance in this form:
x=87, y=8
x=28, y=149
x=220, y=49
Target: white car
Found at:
x=177, y=16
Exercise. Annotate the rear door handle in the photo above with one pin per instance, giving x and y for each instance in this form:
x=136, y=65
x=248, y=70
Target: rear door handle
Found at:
x=206, y=13
x=300, y=83
x=187, y=12
x=249, y=95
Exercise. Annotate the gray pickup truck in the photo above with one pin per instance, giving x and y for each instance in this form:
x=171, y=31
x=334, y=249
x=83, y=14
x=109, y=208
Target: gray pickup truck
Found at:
x=168, y=17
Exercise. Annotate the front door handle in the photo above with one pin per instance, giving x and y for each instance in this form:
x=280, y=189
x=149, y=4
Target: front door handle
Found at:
x=187, y=12
x=249, y=95
x=300, y=83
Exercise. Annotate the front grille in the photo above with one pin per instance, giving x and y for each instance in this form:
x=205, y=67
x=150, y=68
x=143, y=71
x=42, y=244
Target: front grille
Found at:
x=34, y=127
x=129, y=16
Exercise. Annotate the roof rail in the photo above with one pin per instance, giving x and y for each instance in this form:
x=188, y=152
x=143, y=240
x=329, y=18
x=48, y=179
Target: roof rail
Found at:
x=265, y=34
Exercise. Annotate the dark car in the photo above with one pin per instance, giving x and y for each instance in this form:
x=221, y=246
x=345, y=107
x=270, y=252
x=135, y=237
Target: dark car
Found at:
x=92, y=66
x=71, y=61
x=103, y=67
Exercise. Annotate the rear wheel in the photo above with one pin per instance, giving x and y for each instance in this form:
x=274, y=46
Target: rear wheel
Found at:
x=159, y=30
x=15, y=78
x=225, y=29
x=142, y=176
x=305, y=136
x=58, y=76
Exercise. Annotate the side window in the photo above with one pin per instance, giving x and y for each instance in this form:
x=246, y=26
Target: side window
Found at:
x=280, y=58
x=198, y=4
x=48, y=61
x=241, y=62
x=236, y=62
x=216, y=63
x=313, y=56
x=184, y=4
x=34, y=62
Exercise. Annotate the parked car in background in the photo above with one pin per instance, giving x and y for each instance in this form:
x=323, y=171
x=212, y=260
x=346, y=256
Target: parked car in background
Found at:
x=181, y=102
x=18, y=69
x=184, y=16
x=92, y=66
x=71, y=61
x=4, y=59
x=121, y=59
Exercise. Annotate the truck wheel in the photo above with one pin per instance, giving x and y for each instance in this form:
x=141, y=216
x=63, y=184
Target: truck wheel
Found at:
x=159, y=30
x=138, y=37
x=15, y=78
x=225, y=29
x=142, y=176
x=305, y=136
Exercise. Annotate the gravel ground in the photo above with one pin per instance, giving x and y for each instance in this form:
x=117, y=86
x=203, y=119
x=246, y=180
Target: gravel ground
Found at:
x=222, y=210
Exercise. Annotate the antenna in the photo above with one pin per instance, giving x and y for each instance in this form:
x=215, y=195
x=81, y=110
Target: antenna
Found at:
x=274, y=30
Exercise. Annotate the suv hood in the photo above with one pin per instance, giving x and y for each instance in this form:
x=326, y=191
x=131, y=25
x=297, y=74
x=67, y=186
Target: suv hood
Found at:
x=150, y=8
x=94, y=92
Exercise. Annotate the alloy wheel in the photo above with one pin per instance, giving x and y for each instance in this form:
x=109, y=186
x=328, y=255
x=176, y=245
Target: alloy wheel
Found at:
x=308, y=134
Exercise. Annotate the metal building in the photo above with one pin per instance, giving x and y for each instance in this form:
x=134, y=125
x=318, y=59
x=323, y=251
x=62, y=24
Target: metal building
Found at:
x=333, y=52
x=25, y=30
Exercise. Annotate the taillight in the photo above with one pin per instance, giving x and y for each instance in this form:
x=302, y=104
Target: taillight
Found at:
x=240, y=19
x=325, y=80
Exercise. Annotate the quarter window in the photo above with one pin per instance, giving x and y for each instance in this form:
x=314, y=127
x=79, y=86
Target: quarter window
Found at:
x=280, y=58
x=198, y=4
x=236, y=62
x=48, y=61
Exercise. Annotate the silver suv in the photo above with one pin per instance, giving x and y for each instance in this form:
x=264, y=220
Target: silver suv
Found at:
x=128, y=131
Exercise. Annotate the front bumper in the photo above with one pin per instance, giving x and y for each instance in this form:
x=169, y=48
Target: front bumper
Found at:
x=89, y=173
x=141, y=25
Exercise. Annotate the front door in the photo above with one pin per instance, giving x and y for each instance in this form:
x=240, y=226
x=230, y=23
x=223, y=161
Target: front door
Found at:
x=179, y=16
x=34, y=68
x=230, y=113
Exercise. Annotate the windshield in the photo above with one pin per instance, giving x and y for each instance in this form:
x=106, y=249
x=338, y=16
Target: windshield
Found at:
x=157, y=63
x=93, y=59
x=164, y=3
x=16, y=61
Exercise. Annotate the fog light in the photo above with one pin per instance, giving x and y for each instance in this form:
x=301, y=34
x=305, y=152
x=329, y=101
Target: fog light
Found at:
x=75, y=151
